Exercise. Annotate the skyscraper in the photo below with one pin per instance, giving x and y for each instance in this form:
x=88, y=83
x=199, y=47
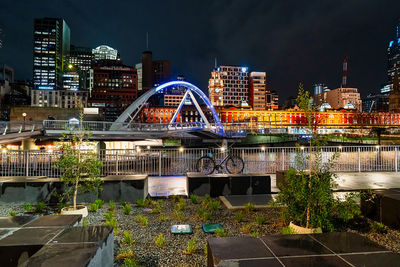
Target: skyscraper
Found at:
x=393, y=52
x=235, y=81
x=257, y=90
x=51, y=44
x=105, y=52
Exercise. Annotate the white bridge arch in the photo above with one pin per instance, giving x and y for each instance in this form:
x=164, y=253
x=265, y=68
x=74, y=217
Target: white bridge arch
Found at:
x=134, y=109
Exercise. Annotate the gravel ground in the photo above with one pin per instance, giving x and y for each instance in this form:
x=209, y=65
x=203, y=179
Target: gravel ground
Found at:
x=171, y=253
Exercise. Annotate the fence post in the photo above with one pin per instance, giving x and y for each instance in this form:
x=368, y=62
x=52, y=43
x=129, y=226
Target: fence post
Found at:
x=283, y=159
x=396, y=158
x=116, y=163
x=27, y=163
x=159, y=163
x=359, y=160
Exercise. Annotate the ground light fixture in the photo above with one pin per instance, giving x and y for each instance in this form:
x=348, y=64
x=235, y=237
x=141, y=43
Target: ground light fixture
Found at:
x=263, y=148
x=181, y=149
x=222, y=149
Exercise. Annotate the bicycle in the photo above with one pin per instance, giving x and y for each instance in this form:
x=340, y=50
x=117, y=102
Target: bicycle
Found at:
x=207, y=164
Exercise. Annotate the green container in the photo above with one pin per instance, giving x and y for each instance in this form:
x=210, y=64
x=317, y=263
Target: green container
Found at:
x=210, y=228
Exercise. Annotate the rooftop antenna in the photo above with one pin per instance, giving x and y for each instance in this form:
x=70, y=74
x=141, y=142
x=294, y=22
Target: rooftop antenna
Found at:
x=215, y=62
x=147, y=41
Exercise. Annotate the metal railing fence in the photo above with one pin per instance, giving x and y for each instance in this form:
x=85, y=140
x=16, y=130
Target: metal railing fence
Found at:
x=179, y=161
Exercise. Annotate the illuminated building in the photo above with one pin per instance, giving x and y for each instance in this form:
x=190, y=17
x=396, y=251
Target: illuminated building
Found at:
x=51, y=44
x=376, y=103
x=393, y=53
x=152, y=73
x=394, y=95
x=71, y=81
x=271, y=100
x=81, y=57
x=215, y=89
x=104, y=52
x=340, y=98
x=172, y=100
x=235, y=82
x=165, y=114
x=257, y=90
x=114, y=88
x=58, y=98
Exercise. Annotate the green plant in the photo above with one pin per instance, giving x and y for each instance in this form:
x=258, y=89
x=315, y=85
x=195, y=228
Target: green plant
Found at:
x=205, y=249
x=287, y=230
x=194, y=199
x=206, y=216
x=143, y=203
x=127, y=240
x=12, y=213
x=99, y=203
x=254, y=234
x=125, y=254
x=239, y=217
x=200, y=211
x=260, y=220
x=127, y=209
x=113, y=223
x=247, y=228
x=308, y=194
x=377, y=227
x=84, y=222
x=176, y=198
x=191, y=246
x=112, y=206
x=129, y=262
x=180, y=205
x=93, y=207
x=159, y=240
x=79, y=168
x=144, y=221
x=39, y=207
x=27, y=207
x=220, y=232
x=214, y=205
x=249, y=207
x=108, y=215
x=162, y=218
x=179, y=215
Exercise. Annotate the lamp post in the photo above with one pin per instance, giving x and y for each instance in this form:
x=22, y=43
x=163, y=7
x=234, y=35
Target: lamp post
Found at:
x=23, y=125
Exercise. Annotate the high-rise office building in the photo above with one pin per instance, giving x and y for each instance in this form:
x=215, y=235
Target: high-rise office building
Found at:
x=340, y=98
x=161, y=71
x=104, y=52
x=152, y=73
x=393, y=52
x=257, y=90
x=114, y=88
x=51, y=44
x=394, y=95
x=271, y=100
x=235, y=81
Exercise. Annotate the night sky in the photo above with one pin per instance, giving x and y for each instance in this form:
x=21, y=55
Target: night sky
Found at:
x=291, y=41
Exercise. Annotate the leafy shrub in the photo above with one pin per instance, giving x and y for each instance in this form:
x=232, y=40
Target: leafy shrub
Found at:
x=194, y=199
x=93, y=207
x=129, y=262
x=39, y=207
x=143, y=203
x=214, y=205
x=180, y=205
x=287, y=230
x=159, y=240
x=84, y=222
x=260, y=220
x=113, y=223
x=27, y=207
x=128, y=240
x=249, y=207
x=378, y=227
x=207, y=216
x=112, y=206
x=239, y=217
x=122, y=203
x=179, y=215
x=200, y=211
x=99, y=202
x=162, y=218
x=220, y=232
x=191, y=246
x=254, y=234
x=125, y=254
x=144, y=221
x=108, y=215
x=127, y=209
x=12, y=213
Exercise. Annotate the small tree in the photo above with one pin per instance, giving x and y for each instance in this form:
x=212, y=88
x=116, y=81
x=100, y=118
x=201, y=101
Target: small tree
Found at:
x=79, y=168
x=308, y=194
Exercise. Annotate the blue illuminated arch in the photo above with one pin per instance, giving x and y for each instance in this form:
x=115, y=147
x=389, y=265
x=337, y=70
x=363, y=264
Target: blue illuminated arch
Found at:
x=145, y=97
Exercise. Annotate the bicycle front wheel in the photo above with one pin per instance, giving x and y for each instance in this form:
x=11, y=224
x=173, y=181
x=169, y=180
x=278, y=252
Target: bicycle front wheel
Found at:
x=205, y=165
x=234, y=165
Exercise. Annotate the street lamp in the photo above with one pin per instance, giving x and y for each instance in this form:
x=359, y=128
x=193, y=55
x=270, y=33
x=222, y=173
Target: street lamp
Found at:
x=23, y=125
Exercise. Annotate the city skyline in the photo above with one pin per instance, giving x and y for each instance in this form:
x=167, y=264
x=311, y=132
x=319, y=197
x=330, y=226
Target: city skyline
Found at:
x=294, y=53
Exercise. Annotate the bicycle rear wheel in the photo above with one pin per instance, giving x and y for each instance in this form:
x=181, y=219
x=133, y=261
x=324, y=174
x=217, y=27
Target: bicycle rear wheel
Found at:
x=205, y=165
x=234, y=164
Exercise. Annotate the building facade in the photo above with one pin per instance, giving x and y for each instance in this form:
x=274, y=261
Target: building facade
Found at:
x=114, y=88
x=393, y=53
x=51, y=45
x=161, y=72
x=271, y=100
x=394, y=95
x=376, y=103
x=257, y=90
x=105, y=52
x=172, y=100
x=235, y=85
x=340, y=98
x=151, y=72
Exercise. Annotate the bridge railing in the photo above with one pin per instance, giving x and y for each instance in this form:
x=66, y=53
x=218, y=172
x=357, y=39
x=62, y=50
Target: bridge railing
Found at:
x=174, y=161
x=7, y=127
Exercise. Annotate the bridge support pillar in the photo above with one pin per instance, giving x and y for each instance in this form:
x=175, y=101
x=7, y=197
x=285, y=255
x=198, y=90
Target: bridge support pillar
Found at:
x=28, y=144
